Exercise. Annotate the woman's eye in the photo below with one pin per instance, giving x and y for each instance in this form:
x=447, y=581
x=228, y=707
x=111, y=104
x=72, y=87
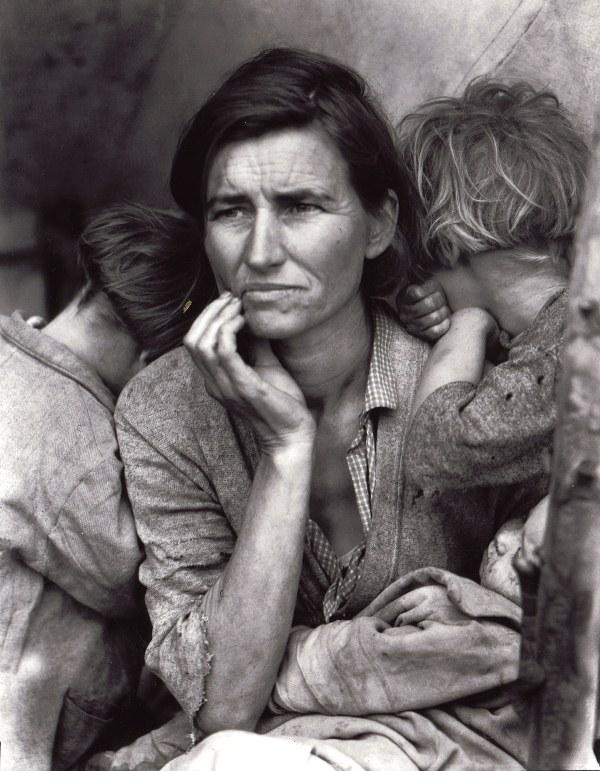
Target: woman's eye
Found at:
x=230, y=213
x=302, y=207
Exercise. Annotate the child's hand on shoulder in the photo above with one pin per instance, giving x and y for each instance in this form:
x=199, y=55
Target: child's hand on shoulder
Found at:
x=423, y=310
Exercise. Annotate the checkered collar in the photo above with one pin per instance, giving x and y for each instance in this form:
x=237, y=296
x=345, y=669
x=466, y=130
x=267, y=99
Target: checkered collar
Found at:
x=381, y=383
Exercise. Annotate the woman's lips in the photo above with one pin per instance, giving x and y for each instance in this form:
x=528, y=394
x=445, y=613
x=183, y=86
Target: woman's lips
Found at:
x=267, y=292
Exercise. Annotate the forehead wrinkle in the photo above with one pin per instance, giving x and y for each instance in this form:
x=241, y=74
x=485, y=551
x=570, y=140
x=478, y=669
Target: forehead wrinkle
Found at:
x=277, y=166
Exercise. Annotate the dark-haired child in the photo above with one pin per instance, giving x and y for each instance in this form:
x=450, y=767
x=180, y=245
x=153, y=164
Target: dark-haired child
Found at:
x=497, y=177
x=69, y=552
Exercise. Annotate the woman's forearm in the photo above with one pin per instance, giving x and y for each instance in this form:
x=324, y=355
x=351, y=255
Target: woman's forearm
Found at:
x=394, y=656
x=250, y=608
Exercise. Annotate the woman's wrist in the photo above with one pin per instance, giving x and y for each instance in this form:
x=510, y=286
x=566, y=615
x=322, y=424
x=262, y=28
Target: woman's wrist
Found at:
x=292, y=450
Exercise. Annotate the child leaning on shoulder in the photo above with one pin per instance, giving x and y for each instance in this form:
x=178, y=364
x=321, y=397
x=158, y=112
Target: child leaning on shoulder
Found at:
x=497, y=178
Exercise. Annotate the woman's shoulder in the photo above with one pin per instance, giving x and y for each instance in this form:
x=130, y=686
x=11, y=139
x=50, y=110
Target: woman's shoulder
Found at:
x=165, y=391
x=403, y=351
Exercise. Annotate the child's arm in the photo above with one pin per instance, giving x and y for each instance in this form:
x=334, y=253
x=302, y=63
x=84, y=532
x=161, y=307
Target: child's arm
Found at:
x=495, y=433
x=459, y=356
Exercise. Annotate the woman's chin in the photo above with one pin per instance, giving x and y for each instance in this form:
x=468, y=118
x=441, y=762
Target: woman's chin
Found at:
x=271, y=325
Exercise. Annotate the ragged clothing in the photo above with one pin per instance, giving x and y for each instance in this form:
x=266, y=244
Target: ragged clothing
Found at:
x=341, y=573
x=419, y=681
x=68, y=552
x=189, y=468
x=501, y=430
x=394, y=656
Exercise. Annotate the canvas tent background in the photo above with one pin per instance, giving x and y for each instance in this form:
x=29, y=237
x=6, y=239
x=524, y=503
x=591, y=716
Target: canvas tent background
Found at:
x=94, y=94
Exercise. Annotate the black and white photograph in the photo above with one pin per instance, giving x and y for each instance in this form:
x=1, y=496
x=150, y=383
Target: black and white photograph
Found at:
x=299, y=385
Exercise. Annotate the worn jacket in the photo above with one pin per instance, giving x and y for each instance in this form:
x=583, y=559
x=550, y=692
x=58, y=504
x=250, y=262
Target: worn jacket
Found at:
x=189, y=467
x=68, y=549
x=501, y=430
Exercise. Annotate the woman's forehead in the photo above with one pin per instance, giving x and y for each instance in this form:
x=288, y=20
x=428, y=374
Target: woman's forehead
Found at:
x=279, y=162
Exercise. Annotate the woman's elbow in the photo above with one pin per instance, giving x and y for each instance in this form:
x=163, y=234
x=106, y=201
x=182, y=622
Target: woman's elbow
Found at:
x=226, y=715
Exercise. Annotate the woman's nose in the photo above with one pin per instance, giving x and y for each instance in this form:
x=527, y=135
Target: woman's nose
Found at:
x=263, y=247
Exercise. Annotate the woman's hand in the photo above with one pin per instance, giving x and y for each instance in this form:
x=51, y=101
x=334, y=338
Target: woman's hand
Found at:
x=265, y=392
x=426, y=603
x=423, y=310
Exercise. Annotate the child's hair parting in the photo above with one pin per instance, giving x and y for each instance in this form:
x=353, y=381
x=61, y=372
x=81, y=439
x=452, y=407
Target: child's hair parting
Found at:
x=501, y=167
x=148, y=263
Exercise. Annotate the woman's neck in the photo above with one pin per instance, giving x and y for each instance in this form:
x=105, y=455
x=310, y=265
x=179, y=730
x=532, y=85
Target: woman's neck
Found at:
x=331, y=362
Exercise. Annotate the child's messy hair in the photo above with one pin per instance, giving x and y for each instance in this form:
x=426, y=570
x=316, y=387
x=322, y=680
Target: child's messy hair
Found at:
x=149, y=265
x=501, y=167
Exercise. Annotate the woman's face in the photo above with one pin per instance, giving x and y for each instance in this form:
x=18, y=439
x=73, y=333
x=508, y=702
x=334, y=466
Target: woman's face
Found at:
x=286, y=231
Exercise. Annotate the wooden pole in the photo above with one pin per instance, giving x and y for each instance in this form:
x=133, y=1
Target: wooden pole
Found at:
x=567, y=629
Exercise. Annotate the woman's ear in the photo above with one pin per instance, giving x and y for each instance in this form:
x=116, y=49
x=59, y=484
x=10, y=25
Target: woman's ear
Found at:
x=382, y=226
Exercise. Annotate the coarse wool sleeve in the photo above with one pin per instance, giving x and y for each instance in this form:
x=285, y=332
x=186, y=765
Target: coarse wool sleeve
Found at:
x=187, y=537
x=501, y=431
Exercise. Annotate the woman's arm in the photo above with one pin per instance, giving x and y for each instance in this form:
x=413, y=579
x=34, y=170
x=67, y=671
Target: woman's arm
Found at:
x=250, y=609
x=251, y=606
x=238, y=629
x=395, y=655
x=219, y=623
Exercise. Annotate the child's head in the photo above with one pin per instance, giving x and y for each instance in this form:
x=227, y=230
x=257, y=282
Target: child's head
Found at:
x=519, y=540
x=499, y=168
x=497, y=571
x=146, y=264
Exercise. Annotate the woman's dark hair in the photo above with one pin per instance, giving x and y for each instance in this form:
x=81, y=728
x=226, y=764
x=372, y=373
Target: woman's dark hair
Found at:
x=149, y=265
x=284, y=88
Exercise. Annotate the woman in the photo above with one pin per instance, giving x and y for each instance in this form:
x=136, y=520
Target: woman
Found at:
x=266, y=477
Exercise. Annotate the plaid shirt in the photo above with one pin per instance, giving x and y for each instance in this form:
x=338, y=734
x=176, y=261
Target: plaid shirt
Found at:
x=342, y=574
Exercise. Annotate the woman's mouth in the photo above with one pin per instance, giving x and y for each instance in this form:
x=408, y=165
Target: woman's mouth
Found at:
x=259, y=293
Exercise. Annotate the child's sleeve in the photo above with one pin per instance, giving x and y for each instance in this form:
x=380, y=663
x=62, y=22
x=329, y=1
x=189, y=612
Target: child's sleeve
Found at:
x=498, y=432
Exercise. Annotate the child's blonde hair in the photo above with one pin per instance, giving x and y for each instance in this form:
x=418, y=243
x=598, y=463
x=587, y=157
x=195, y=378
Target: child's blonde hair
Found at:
x=501, y=167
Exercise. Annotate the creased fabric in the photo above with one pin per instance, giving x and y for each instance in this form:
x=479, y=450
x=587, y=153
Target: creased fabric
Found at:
x=427, y=696
x=369, y=665
x=189, y=468
x=457, y=738
x=500, y=431
x=69, y=555
x=63, y=511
